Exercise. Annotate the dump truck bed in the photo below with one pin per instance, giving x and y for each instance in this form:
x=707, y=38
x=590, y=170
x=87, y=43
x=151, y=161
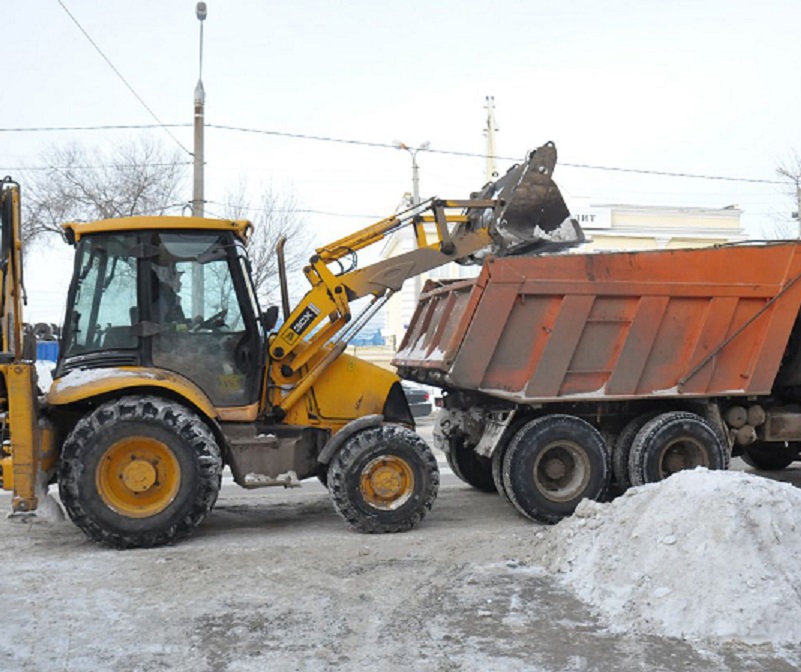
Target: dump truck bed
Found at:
x=676, y=323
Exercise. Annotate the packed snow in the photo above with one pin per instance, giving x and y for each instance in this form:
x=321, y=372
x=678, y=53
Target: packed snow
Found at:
x=701, y=555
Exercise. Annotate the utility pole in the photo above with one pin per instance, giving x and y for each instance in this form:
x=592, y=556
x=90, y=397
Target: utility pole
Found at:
x=489, y=132
x=198, y=196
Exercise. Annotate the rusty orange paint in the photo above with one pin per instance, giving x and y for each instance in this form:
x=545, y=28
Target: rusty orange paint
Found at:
x=675, y=323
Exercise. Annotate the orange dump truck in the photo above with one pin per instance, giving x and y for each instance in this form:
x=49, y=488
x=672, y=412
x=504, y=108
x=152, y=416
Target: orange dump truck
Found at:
x=565, y=374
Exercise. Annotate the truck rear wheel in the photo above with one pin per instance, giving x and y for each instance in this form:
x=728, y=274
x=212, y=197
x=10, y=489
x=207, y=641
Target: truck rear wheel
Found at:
x=383, y=479
x=674, y=441
x=622, y=450
x=496, y=463
x=139, y=472
x=552, y=463
x=767, y=456
x=469, y=466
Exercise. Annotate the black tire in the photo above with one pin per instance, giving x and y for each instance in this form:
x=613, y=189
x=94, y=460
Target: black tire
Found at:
x=622, y=450
x=554, y=462
x=496, y=460
x=159, y=496
x=770, y=456
x=469, y=466
x=496, y=463
x=674, y=441
x=383, y=479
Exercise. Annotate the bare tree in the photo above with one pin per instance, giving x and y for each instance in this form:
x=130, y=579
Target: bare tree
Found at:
x=275, y=215
x=87, y=183
x=790, y=170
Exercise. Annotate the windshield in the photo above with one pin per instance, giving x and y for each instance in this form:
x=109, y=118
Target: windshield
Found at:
x=104, y=303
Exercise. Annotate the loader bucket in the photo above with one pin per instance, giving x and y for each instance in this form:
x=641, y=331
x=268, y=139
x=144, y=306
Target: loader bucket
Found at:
x=533, y=214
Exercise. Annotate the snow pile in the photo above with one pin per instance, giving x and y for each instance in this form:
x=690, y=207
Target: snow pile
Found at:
x=44, y=374
x=702, y=555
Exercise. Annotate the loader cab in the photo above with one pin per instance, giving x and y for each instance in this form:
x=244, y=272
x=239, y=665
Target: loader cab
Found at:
x=178, y=299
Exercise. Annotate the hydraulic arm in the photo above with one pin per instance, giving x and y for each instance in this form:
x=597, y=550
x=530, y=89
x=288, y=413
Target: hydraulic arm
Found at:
x=518, y=214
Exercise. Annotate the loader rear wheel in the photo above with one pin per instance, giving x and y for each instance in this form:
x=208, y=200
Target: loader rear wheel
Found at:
x=139, y=472
x=672, y=442
x=552, y=463
x=383, y=479
x=770, y=456
x=469, y=466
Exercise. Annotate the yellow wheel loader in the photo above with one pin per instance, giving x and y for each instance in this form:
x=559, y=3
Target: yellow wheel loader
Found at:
x=169, y=369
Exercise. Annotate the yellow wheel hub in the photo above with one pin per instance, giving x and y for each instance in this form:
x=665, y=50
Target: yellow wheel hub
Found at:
x=387, y=482
x=138, y=477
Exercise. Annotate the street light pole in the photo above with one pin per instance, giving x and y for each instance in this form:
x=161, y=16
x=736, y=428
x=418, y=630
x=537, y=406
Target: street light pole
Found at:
x=415, y=168
x=198, y=196
x=417, y=284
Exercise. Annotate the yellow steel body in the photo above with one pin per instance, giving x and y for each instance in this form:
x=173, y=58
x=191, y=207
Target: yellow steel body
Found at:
x=79, y=386
x=76, y=230
x=310, y=380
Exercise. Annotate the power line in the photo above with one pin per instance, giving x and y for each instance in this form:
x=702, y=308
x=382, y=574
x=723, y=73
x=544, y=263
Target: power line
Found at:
x=386, y=145
x=160, y=164
x=119, y=74
x=641, y=171
x=305, y=211
x=105, y=127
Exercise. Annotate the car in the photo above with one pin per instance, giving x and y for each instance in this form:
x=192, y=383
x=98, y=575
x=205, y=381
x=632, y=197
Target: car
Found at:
x=418, y=398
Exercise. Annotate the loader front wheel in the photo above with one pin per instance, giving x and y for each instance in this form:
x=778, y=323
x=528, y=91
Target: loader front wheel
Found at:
x=139, y=472
x=383, y=479
x=552, y=463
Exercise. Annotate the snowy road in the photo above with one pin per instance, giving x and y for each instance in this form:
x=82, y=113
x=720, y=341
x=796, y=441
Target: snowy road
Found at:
x=274, y=580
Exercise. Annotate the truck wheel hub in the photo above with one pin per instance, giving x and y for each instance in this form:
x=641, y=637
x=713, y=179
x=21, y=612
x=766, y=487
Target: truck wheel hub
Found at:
x=387, y=482
x=682, y=454
x=555, y=469
x=562, y=471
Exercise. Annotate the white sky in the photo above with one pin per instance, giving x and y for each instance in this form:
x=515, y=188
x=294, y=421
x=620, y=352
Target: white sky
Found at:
x=710, y=87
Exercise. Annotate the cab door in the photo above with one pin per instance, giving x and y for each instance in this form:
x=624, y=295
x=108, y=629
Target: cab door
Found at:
x=204, y=326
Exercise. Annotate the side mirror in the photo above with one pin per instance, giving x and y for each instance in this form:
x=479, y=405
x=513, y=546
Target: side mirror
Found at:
x=269, y=318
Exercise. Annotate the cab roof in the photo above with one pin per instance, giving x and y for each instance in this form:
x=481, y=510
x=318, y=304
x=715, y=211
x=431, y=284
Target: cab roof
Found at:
x=75, y=230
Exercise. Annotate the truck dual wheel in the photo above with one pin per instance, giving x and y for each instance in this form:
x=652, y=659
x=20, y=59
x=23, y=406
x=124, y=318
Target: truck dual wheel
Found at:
x=496, y=462
x=674, y=441
x=383, y=479
x=770, y=456
x=469, y=466
x=622, y=450
x=552, y=463
x=139, y=471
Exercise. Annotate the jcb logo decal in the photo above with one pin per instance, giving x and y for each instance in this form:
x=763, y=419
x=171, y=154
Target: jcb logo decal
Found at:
x=301, y=323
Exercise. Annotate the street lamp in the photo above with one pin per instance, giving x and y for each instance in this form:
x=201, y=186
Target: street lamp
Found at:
x=418, y=279
x=198, y=196
x=415, y=168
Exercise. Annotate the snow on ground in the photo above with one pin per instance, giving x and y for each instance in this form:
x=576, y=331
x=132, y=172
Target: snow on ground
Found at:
x=702, y=555
x=274, y=580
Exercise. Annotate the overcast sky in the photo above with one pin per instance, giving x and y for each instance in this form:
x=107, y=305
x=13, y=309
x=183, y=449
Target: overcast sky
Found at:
x=705, y=87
